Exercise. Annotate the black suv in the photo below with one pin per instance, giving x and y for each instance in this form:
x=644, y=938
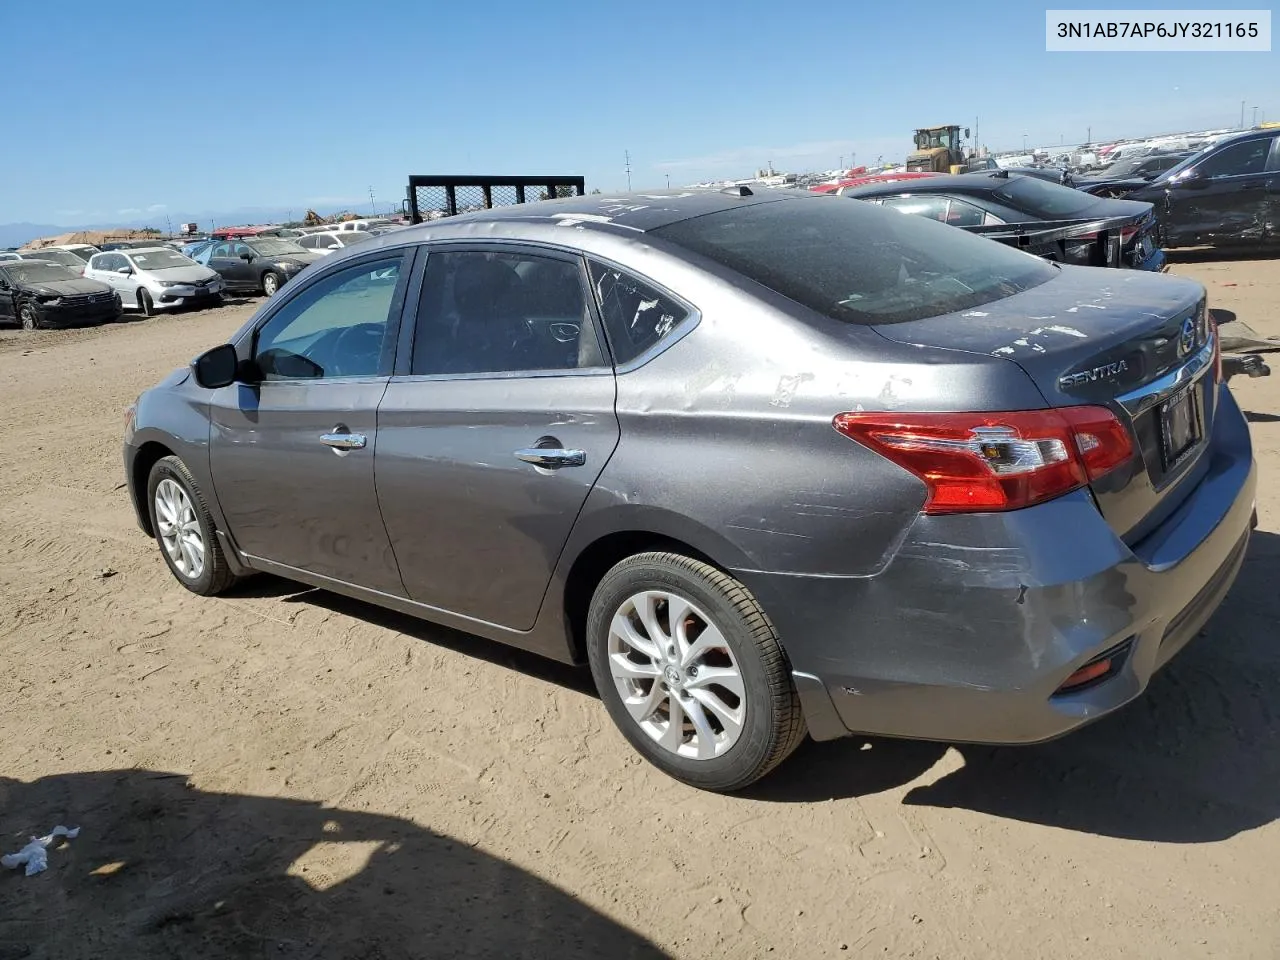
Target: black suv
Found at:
x=1225, y=195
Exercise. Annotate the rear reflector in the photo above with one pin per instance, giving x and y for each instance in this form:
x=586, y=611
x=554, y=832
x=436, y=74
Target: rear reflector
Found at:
x=980, y=462
x=1097, y=669
x=1086, y=674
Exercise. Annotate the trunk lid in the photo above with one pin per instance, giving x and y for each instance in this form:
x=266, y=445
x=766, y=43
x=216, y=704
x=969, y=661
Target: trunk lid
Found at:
x=1136, y=342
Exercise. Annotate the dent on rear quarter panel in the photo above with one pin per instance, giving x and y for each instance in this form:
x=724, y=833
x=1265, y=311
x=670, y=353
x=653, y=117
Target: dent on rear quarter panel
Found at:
x=732, y=428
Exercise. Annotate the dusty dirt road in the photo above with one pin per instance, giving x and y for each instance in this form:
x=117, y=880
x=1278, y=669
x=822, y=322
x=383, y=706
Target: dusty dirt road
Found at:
x=286, y=773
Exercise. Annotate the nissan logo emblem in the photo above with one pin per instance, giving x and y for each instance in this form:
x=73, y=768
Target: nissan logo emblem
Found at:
x=1187, y=341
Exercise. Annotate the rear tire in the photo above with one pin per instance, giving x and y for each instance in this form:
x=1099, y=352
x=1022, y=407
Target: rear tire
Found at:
x=27, y=317
x=146, y=304
x=184, y=529
x=648, y=670
x=270, y=283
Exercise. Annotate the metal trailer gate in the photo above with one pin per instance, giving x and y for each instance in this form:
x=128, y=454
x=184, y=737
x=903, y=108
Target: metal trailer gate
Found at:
x=432, y=197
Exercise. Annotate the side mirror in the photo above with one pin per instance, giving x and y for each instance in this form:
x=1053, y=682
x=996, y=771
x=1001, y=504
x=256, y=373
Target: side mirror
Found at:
x=217, y=367
x=246, y=256
x=124, y=271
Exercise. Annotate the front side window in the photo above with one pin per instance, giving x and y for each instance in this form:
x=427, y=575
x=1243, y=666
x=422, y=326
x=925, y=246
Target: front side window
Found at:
x=484, y=312
x=1238, y=160
x=337, y=327
x=636, y=316
x=857, y=263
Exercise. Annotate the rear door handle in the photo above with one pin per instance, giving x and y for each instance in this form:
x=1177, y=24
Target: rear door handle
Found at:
x=552, y=457
x=344, y=441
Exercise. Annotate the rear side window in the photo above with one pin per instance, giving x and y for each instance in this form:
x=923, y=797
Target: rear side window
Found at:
x=935, y=208
x=636, y=315
x=855, y=262
x=1040, y=198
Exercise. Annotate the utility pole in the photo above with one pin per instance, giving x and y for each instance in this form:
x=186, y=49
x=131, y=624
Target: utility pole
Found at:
x=1255, y=116
x=841, y=167
x=626, y=155
x=169, y=223
x=1088, y=134
x=668, y=181
x=976, y=142
x=372, y=206
x=1024, y=143
x=1242, y=103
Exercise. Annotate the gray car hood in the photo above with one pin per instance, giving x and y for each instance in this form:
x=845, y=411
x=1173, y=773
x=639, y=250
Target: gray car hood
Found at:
x=192, y=274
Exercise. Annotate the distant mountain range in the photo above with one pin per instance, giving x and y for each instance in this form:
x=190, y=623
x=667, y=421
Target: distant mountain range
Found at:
x=16, y=234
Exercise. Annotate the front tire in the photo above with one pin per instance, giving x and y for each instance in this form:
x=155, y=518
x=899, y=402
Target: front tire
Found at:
x=691, y=671
x=27, y=317
x=270, y=283
x=146, y=304
x=184, y=529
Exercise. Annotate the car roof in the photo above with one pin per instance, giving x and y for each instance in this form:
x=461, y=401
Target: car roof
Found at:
x=633, y=211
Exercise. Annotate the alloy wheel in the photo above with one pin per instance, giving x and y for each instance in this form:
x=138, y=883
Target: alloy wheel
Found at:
x=676, y=675
x=179, y=529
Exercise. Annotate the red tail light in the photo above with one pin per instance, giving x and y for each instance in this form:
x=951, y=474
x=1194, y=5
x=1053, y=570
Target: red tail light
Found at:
x=979, y=462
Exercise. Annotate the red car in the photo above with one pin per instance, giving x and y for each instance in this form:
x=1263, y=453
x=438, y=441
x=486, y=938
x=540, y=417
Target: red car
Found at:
x=841, y=187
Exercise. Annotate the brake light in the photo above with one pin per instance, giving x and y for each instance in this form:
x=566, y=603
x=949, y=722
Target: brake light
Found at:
x=978, y=462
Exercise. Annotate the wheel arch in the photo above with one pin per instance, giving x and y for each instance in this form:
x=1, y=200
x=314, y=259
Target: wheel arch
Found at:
x=607, y=544
x=148, y=455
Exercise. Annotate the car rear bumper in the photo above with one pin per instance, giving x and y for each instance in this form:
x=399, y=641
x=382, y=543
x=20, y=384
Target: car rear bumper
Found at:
x=970, y=630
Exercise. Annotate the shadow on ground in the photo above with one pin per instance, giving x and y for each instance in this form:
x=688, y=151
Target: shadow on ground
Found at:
x=1196, y=759
x=162, y=869
x=1223, y=254
x=541, y=668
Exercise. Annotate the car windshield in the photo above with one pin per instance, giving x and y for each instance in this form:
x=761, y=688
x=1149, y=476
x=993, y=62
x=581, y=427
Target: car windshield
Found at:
x=64, y=257
x=1123, y=168
x=1187, y=163
x=1040, y=198
x=32, y=271
x=857, y=262
x=159, y=259
x=276, y=248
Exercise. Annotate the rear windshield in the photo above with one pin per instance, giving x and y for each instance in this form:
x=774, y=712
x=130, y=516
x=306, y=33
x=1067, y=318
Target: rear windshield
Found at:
x=856, y=262
x=64, y=257
x=1040, y=198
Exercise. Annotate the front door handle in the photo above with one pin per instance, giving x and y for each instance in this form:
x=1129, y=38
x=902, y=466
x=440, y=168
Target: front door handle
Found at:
x=552, y=458
x=344, y=441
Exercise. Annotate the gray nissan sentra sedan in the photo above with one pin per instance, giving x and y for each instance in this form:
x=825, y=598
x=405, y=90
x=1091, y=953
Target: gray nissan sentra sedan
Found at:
x=768, y=463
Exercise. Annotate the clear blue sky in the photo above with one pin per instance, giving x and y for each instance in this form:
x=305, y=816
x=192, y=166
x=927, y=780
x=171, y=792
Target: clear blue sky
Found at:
x=160, y=106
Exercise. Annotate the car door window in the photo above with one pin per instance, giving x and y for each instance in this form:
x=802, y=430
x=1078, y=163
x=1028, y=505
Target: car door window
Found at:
x=484, y=312
x=1237, y=160
x=337, y=327
x=238, y=250
x=636, y=315
x=307, y=243
x=962, y=213
x=935, y=208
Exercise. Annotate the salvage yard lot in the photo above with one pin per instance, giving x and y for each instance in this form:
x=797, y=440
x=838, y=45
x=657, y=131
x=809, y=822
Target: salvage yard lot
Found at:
x=287, y=773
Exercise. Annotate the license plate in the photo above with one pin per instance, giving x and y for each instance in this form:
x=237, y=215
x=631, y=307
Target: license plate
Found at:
x=1145, y=248
x=1179, y=427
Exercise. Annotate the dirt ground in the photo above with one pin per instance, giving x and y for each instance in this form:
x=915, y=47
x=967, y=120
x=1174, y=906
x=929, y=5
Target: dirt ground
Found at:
x=287, y=773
